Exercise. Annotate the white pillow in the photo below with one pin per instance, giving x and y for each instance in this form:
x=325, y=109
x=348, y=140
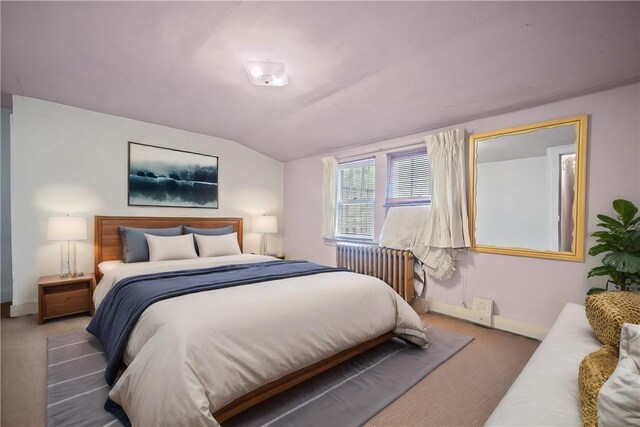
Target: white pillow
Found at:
x=165, y=248
x=226, y=244
x=106, y=266
x=619, y=397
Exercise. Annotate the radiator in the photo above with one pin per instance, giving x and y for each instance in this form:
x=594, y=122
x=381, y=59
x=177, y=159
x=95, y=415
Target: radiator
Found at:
x=393, y=266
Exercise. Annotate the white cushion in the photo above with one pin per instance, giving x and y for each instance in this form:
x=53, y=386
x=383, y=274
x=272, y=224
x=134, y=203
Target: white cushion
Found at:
x=226, y=244
x=106, y=266
x=619, y=397
x=165, y=248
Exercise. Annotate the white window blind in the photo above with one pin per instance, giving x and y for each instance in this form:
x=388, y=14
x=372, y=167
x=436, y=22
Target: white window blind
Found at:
x=356, y=196
x=408, y=178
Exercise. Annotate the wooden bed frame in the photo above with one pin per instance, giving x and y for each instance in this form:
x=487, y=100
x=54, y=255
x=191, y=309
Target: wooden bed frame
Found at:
x=294, y=378
x=108, y=247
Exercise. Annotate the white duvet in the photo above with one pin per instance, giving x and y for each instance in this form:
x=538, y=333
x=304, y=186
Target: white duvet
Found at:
x=189, y=356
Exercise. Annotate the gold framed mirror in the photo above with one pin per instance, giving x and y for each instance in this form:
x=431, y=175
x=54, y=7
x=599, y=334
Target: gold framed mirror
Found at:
x=527, y=190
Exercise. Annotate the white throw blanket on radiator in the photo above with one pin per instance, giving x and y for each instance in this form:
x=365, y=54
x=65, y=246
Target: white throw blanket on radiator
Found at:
x=405, y=228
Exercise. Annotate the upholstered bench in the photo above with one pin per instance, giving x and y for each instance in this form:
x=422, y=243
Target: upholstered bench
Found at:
x=546, y=391
x=585, y=372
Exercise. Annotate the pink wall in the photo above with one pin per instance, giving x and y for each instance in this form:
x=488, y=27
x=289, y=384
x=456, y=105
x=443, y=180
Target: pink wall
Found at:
x=528, y=289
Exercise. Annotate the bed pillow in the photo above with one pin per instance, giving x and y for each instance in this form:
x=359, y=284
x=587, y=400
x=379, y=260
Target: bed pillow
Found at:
x=594, y=370
x=226, y=244
x=106, y=266
x=619, y=397
x=134, y=244
x=167, y=248
x=209, y=231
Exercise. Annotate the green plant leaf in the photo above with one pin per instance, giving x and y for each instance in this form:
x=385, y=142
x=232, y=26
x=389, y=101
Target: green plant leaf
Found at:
x=601, y=233
x=610, y=238
x=612, y=223
x=625, y=209
x=595, y=291
x=598, y=249
x=603, y=270
x=621, y=239
x=609, y=226
x=631, y=242
x=623, y=262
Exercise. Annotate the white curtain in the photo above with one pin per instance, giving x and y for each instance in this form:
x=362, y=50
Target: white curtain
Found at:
x=329, y=196
x=448, y=224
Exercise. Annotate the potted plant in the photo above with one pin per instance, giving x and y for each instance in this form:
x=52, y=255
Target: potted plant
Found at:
x=620, y=241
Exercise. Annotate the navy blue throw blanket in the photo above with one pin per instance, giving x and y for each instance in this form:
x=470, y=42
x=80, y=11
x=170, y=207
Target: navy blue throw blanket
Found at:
x=120, y=310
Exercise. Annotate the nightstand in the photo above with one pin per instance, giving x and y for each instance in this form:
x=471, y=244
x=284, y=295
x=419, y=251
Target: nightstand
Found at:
x=62, y=296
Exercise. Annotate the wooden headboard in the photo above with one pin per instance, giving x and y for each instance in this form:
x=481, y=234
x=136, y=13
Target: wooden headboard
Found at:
x=107, y=243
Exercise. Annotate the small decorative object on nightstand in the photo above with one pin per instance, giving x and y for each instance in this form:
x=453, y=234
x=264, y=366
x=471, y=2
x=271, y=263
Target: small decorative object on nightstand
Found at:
x=62, y=296
x=279, y=256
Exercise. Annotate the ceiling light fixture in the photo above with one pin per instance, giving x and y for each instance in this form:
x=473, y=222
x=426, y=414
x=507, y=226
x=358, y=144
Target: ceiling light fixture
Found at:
x=266, y=73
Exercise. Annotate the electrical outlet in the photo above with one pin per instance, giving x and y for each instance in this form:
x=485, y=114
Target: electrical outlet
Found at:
x=483, y=309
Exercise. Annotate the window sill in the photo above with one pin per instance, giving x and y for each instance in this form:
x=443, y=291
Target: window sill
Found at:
x=332, y=241
x=402, y=204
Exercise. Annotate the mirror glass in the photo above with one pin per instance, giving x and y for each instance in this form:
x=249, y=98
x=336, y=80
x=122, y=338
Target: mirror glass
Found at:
x=528, y=190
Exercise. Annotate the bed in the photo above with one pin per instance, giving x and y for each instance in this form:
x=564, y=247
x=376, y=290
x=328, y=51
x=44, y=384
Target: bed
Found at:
x=201, y=358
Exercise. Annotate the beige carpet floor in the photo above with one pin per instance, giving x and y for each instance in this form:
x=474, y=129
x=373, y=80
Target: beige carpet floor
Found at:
x=462, y=392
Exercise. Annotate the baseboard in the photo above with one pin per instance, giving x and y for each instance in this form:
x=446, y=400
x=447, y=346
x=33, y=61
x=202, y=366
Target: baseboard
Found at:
x=499, y=322
x=24, y=309
x=520, y=327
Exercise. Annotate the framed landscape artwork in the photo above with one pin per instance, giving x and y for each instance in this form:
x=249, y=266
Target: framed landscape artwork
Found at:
x=174, y=178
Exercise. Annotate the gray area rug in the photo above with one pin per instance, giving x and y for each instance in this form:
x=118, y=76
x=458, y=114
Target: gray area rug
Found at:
x=347, y=395
x=76, y=389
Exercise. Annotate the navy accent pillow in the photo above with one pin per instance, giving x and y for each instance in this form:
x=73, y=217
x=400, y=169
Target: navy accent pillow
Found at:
x=134, y=244
x=206, y=232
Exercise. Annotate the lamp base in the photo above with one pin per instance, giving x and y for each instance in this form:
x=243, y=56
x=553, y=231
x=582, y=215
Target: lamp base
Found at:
x=68, y=263
x=263, y=244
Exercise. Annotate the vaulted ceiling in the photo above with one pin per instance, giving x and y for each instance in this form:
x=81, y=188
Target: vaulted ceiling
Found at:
x=358, y=71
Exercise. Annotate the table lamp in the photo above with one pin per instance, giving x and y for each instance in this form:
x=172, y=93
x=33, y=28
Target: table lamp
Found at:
x=67, y=229
x=265, y=224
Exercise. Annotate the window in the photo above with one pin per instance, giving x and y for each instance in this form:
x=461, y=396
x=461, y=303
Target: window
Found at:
x=356, y=188
x=408, y=178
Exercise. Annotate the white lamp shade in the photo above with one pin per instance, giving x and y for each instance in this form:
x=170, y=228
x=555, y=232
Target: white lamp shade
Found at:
x=265, y=224
x=67, y=228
